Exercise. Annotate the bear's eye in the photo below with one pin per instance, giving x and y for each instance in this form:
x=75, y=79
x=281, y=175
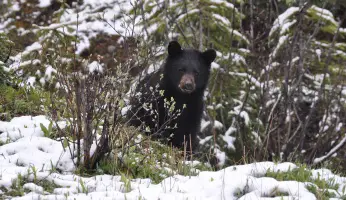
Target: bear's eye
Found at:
x=181, y=69
x=196, y=73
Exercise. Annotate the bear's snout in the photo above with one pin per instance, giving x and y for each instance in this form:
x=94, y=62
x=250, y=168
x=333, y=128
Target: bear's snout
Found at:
x=187, y=83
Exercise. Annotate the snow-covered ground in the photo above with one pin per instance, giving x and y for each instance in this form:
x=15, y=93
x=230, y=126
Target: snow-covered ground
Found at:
x=27, y=152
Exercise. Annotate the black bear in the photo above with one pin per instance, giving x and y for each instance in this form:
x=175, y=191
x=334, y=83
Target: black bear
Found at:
x=169, y=103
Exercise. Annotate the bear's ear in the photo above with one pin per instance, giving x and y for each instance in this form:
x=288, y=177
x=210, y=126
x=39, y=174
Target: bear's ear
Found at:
x=174, y=48
x=209, y=55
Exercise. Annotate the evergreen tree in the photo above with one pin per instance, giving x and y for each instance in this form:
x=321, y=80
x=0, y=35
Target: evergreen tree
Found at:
x=5, y=51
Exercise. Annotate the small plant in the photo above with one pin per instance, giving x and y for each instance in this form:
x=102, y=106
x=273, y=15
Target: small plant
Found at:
x=47, y=185
x=47, y=132
x=8, y=140
x=127, y=182
x=34, y=173
x=84, y=188
x=145, y=158
x=322, y=194
x=52, y=167
x=300, y=174
x=317, y=186
x=17, y=187
x=19, y=101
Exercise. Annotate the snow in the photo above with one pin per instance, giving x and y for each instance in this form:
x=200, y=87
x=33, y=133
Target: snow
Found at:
x=124, y=110
x=214, y=65
x=18, y=58
x=281, y=41
x=15, y=7
x=4, y=24
x=230, y=130
x=204, y=124
x=338, y=127
x=236, y=58
x=269, y=67
x=152, y=68
x=322, y=44
x=35, y=46
x=285, y=27
x=44, y=3
x=25, y=126
x=27, y=152
x=221, y=156
x=34, y=188
x=49, y=71
x=90, y=20
x=332, y=151
x=229, y=139
x=322, y=11
x=27, y=147
x=190, y=12
x=95, y=67
x=204, y=140
x=341, y=30
x=237, y=33
x=245, y=116
x=83, y=44
x=341, y=53
x=251, y=78
x=318, y=53
x=329, y=177
x=30, y=81
x=283, y=19
x=225, y=3
x=326, y=14
x=218, y=125
x=222, y=19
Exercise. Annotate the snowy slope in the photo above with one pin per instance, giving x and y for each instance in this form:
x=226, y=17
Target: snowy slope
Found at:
x=26, y=149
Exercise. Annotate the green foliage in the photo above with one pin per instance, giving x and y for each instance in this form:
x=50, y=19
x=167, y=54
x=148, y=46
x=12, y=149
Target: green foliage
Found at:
x=47, y=186
x=5, y=48
x=300, y=174
x=4, y=76
x=33, y=172
x=47, y=132
x=246, y=42
x=127, y=182
x=204, y=24
x=55, y=54
x=318, y=186
x=84, y=188
x=322, y=194
x=5, y=52
x=328, y=23
x=147, y=159
x=219, y=22
x=20, y=101
x=16, y=187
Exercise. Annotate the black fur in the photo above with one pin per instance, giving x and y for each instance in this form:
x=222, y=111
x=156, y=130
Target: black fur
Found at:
x=190, y=63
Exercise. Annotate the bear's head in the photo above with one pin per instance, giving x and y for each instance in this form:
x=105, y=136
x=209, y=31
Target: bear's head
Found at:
x=188, y=69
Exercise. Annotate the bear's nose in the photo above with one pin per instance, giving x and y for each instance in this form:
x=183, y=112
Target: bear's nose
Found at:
x=188, y=86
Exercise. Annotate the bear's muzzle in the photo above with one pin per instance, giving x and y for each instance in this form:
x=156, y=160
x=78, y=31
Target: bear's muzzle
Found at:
x=187, y=83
